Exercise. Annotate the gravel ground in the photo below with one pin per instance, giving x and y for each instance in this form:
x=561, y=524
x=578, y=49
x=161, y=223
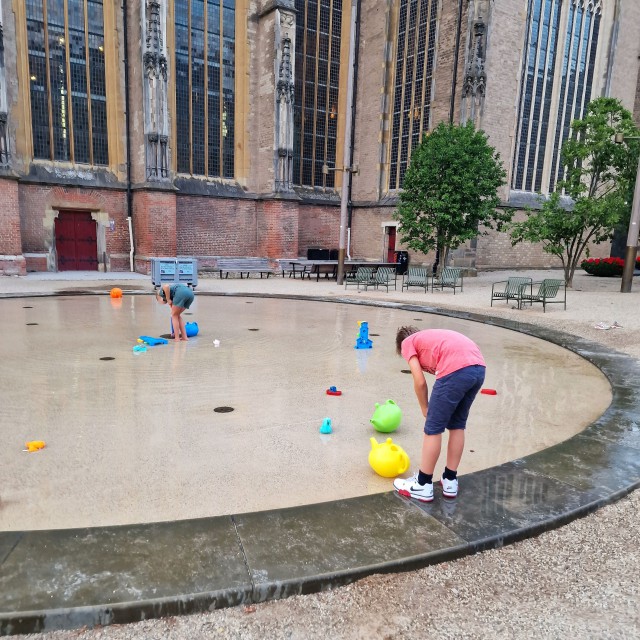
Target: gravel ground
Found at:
x=580, y=581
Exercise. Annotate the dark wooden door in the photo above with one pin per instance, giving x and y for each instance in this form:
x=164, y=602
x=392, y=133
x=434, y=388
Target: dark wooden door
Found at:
x=76, y=241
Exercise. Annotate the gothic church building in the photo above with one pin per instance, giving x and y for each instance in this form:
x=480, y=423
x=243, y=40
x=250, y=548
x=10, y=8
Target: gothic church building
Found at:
x=131, y=129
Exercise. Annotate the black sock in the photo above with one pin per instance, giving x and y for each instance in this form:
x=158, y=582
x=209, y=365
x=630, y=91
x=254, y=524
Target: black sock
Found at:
x=424, y=478
x=449, y=475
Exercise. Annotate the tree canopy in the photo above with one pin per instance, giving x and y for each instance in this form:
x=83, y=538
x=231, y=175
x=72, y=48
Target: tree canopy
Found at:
x=599, y=176
x=450, y=190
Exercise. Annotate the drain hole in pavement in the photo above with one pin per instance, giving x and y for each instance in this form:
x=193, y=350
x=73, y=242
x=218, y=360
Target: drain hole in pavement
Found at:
x=108, y=358
x=32, y=324
x=405, y=370
x=27, y=307
x=188, y=313
x=254, y=329
x=167, y=336
x=419, y=319
x=223, y=409
x=376, y=335
x=248, y=301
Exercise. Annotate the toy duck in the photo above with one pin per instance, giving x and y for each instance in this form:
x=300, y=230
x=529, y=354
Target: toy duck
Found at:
x=34, y=445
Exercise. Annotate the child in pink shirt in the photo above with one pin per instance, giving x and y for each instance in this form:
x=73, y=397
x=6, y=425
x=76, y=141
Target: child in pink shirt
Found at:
x=459, y=368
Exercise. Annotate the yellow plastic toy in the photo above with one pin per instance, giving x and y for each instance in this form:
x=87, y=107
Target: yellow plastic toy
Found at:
x=34, y=445
x=387, y=459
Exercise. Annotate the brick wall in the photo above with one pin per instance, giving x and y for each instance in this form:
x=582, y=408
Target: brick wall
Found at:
x=154, y=226
x=12, y=261
x=277, y=229
x=215, y=226
x=319, y=226
x=34, y=202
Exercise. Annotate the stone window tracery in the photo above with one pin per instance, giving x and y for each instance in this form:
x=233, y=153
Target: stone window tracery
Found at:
x=412, y=91
x=557, y=79
x=67, y=80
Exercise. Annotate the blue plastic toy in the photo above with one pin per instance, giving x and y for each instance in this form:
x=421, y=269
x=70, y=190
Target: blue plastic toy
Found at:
x=153, y=342
x=191, y=328
x=139, y=348
x=362, y=341
x=326, y=426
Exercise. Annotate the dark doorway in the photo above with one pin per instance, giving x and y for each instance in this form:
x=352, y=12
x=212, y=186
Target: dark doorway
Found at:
x=391, y=244
x=76, y=241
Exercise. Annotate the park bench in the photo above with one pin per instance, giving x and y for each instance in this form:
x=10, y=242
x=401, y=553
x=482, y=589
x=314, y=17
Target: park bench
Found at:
x=450, y=278
x=548, y=292
x=416, y=277
x=510, y=289
x=244, y=265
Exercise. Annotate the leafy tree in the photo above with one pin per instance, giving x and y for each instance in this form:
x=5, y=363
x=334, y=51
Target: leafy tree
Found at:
x=598, y=179
x=450, y=190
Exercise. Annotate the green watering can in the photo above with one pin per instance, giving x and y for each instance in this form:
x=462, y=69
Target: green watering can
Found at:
x=386, y=418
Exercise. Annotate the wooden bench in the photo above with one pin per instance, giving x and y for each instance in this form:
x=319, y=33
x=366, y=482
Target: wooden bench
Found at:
x=244, y=265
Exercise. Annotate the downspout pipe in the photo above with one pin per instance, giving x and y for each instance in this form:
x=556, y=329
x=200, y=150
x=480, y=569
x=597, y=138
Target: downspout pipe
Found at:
x=127, y=122
x=353, y=122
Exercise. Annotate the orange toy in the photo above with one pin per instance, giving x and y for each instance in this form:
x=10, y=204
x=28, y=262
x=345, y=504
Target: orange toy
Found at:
x=34, y=445
x=116, y=293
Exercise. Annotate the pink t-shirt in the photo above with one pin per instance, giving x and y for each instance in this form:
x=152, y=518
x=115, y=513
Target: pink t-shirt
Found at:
x=441, y=351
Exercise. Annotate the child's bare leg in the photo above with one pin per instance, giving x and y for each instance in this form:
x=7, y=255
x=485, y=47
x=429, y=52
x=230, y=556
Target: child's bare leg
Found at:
x=175, y=322
x=430, y=453
x=455, y=448
x=183, y=327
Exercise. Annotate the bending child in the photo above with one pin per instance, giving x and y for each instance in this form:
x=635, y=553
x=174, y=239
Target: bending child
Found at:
x=179, y=297
x=459, y=368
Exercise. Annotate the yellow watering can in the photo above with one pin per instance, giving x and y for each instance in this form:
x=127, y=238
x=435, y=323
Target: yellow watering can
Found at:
x=387, y=459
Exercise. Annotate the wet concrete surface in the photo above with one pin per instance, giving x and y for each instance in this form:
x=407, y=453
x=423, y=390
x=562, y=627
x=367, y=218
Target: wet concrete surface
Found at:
x=70, y=577
x=137, y=438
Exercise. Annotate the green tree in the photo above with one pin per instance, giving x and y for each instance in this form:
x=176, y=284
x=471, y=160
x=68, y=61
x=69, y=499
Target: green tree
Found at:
x=598, y=180
x=450, y=190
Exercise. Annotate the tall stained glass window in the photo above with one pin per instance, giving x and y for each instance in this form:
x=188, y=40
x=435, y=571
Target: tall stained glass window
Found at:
x=560, y=60
x=205, y=86
x=412, y=90
x=317, y=70
x=67, y=80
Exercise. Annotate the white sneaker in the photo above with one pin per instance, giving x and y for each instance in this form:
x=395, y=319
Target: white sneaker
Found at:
x=449, y=488
x=409, y=488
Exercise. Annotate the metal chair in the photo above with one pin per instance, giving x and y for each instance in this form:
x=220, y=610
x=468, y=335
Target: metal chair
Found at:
x=510, y=290
x=450, y=278
x=416, y=277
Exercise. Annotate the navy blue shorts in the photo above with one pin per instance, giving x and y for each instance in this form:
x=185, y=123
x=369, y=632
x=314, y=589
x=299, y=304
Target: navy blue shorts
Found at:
x=451, y=399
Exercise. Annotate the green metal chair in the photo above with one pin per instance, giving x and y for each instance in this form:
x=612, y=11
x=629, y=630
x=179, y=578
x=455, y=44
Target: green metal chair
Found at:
x=383, y=277
x=548, y=292
x=416, y=277
x=364, y=276
x=450, y=278
x=510, y=290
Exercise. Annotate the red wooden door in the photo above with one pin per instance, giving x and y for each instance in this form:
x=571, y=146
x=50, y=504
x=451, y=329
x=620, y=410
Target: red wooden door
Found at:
x=76, y=241
x=391, y=244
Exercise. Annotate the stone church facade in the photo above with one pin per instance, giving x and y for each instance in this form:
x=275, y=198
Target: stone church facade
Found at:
x=208, y=128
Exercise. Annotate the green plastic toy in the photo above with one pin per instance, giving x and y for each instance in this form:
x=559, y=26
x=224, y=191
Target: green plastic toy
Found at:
x=386, y=418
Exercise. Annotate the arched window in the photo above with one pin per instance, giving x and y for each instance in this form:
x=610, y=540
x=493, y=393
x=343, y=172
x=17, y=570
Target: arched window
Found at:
x=317, y=70
x=205, y=86
x=554, y=90
x=67, y=80
x=412, y=91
